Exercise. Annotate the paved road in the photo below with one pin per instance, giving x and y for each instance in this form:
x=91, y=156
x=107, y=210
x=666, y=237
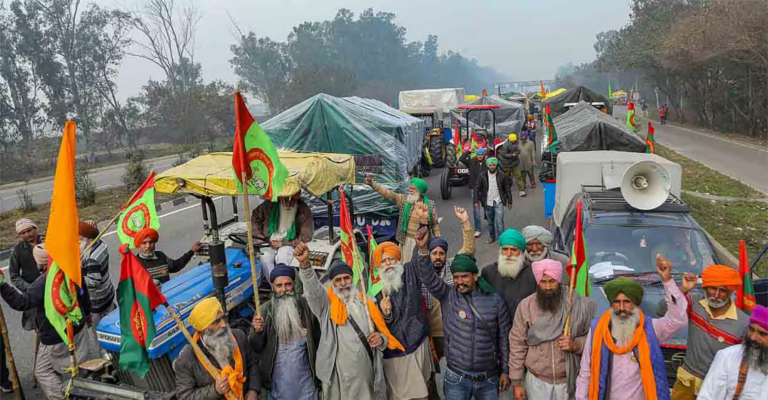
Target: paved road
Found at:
x=740, y=161
x=103, y=179
x=182, y=226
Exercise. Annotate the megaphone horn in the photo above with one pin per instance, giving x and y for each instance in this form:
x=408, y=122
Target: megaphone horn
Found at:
x=645, y=185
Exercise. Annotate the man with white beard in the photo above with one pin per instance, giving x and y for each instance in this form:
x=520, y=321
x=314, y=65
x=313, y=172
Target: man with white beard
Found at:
x=286, y=337
x=285, y=224
x=231, y=372
x=353, y=333
x=741, y=371
x=538, y=241
x=714, y=324
x=407, y=372
x=511, y=275
x=622, y=356
x=409, y=223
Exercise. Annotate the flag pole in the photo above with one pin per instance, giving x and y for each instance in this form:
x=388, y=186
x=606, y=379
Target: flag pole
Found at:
x=18, y=393
x=254, y=277
x=183, y=328
x=571, y=287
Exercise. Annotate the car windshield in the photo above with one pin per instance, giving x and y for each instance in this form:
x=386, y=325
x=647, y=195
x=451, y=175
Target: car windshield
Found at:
x=617, y=250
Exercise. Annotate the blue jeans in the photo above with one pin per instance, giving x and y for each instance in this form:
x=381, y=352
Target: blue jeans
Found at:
x=477, y=213
x=457, y=387
x=495, y=216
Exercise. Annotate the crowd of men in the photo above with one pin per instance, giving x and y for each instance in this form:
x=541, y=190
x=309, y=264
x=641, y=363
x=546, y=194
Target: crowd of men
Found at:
x=511, y=326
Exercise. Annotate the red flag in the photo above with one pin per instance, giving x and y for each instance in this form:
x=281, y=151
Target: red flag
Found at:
x=485, y=93
x=650, y=139
x=579, y=264
x=745, y=294
x=243, y=121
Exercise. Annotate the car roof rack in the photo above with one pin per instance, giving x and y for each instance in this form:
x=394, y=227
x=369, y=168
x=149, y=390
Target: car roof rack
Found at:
x=598, y=198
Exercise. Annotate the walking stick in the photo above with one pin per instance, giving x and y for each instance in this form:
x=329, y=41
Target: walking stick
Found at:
x=571, y=288
x=18, y=393
x=254, y=277
x=37, y=347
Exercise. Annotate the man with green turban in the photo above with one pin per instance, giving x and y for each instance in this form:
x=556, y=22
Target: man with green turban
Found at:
x=511, y=274
x=623, y=344
x=407, y=226
x=477, y=322
x=492, y=191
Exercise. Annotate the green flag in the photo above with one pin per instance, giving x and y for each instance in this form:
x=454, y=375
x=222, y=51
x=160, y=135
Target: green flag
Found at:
x=610, y=93
x=579, y=263
x=374, y=281
x=255, y=155
x=553, y=140
x=631, y=116
x=61, y=301
x=139, y=213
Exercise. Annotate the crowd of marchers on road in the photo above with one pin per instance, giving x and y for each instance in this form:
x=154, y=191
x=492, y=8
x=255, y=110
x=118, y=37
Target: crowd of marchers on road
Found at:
x=514, y=325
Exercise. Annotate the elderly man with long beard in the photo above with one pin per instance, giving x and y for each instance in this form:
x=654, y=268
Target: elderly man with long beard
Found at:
x=285, y=336
x=511, y=275
x=741, y=371
x=537, y=343
x=409, y=224
x=714, y=324
x=229, y=369
x=622, y=356
x=407, y=372
x=349, y=356
x=538, y=243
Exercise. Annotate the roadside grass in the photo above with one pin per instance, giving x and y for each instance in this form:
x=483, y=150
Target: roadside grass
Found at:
x=108, y=203
x=729, y=222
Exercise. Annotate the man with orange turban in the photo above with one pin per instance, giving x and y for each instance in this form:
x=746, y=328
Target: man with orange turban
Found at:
x=227, y=369
x=714, y=323
x=159, y=265
x=400, y=300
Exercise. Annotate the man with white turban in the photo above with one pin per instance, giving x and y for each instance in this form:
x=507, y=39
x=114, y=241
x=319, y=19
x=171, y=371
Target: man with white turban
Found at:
x=544, y=362
x=538, y=241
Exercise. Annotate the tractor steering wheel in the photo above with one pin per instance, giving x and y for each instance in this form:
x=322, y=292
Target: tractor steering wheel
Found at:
x=602, y=256
x=241, y=238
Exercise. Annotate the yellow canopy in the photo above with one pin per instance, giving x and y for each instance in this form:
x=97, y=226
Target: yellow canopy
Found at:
x=211, y=174
x=470, y=97
x=619, y=93
x=555, y=93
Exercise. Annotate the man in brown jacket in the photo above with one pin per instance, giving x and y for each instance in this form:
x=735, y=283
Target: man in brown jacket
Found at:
x=284, y=224
x=226, y=370
x=537, y=343
x=527, y=163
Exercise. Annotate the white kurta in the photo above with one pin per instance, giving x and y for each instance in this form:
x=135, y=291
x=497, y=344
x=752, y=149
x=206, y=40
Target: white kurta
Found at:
x=407, y=376
x=723, y=376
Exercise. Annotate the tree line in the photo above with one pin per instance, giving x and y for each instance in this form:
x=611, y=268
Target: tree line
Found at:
x=706, y=57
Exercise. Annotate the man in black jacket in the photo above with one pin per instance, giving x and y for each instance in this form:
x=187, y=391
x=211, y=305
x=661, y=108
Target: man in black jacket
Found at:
x=159, y=265
x=508, y=154
x=53, y=354
x=476, y=166
x=492, y=191
x=285, y=338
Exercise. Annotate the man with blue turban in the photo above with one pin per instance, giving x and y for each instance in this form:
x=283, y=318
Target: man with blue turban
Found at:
x=511, y=275
x=407, y=225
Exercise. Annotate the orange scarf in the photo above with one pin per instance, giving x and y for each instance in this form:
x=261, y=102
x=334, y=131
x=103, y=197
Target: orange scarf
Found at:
x=602, y=334
x=234, y=375
x=338, y=313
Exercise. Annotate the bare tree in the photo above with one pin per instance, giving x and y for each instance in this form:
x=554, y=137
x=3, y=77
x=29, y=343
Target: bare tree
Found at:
x=169, y=40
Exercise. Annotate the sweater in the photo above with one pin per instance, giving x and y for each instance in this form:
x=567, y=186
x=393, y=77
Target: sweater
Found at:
x=22, y=267
x=96, y=277
x=471, y=345
x=34, y=298
x=161, y=266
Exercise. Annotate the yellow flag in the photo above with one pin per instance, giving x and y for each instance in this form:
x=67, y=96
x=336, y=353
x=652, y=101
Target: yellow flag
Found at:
x=62, y=239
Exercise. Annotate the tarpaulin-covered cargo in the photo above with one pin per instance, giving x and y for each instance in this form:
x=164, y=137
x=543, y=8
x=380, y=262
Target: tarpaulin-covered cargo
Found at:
x=585, y=128
x=573, y=96
x=509, y=118
x=384, y=142
x=425, y=100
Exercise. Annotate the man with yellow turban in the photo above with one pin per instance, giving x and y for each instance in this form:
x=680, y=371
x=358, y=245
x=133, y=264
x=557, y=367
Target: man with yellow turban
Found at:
x=353, y=333
x=226, y=369
x=159, y=265
x=622, y=357
x=401, y=303
x=714, y=323
x=407, y=225
x=508, y=154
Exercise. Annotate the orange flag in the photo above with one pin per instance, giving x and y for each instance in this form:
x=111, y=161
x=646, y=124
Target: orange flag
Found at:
x=62, y=238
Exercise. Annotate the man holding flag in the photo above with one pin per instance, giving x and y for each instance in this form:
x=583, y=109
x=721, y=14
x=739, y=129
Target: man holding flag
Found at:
x=537, y=343
x=59, y=296
x=714, y=323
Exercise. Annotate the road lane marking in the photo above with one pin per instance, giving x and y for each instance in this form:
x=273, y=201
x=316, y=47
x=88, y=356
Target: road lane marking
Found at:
x=110, y=233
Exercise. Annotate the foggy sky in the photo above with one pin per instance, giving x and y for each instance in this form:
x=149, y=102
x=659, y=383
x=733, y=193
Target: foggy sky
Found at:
x=524, y=39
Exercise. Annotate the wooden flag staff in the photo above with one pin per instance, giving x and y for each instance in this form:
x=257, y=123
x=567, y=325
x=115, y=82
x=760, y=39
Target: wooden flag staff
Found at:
x=183, y=328
x=249, y=228
x=18, y=394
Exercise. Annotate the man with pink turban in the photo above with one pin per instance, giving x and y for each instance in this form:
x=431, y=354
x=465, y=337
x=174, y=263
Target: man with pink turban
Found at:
x=741, y=371
x=543, y=361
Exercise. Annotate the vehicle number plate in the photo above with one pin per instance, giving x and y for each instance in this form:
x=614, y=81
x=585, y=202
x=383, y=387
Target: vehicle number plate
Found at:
x=462, y=170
